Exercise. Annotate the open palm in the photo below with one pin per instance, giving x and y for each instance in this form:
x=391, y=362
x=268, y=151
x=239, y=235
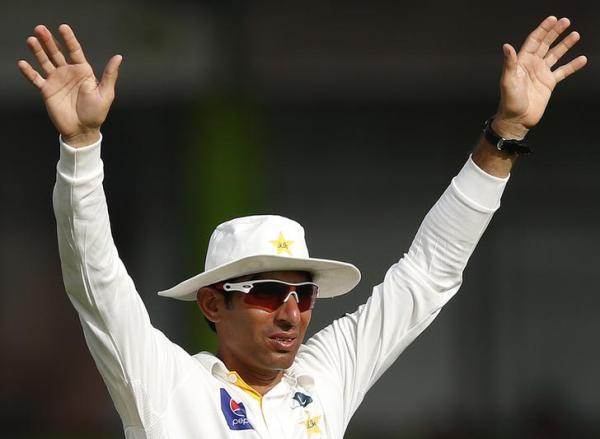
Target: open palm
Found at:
x=528, y=79
x=76, y=102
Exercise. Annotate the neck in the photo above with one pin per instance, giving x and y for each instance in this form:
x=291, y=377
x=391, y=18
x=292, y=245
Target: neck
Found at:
x=261, y=380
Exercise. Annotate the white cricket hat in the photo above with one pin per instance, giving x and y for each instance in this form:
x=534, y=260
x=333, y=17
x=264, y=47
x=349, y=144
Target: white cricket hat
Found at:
x=260, y=243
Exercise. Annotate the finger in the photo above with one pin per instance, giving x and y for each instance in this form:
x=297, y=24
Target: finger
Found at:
x=561, y=48
x=552, y=35
x=109, y=76
x=568, y=69
x=40, y=55
x=29, y=72
x=510, y=58
x=50, y=46
x=533, y=40
x=73, y=46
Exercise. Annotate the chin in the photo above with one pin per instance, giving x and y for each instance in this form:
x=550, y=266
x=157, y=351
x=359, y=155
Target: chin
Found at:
x=282, y=360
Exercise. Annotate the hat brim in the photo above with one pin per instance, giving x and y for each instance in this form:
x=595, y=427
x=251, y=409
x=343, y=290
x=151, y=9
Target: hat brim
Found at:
x=333, y=277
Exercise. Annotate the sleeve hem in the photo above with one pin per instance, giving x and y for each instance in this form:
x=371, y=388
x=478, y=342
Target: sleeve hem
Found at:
x=478, y=187
x=79, y=163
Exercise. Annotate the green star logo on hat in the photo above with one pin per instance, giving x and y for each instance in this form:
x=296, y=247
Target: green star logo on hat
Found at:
x=282, y=245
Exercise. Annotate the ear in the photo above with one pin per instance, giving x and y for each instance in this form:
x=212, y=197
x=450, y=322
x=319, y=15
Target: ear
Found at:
x=210, y=303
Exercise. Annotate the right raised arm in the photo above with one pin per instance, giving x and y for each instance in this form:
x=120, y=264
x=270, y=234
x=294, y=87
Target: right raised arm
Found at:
x=140, y=366
x=76, y=102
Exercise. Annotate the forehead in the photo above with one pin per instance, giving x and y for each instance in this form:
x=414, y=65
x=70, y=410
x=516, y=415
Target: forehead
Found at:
x=286, y=276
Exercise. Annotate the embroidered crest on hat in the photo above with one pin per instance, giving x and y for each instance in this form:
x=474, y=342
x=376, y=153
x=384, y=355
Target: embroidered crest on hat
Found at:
x=282, y=245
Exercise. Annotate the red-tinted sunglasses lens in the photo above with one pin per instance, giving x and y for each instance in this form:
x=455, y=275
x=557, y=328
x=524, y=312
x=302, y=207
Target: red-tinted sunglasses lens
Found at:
x=270, y=295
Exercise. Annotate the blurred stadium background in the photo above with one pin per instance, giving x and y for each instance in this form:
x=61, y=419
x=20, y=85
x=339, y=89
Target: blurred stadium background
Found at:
x=350, y=117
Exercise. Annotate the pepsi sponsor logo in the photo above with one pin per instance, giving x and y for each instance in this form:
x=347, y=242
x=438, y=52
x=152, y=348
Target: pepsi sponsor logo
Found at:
x=235, y=408
x=234, y=413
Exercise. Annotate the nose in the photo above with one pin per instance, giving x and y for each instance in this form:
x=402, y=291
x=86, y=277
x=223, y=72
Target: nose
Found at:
x=288, y=314
x=292, y=294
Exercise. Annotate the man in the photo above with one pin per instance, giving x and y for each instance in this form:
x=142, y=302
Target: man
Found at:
x=260, y=285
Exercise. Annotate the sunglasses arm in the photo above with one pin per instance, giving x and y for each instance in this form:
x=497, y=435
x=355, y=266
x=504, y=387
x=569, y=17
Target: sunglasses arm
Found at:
x=243, y=287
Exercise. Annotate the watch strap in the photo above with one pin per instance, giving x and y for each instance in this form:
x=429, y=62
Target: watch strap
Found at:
x=510, y=146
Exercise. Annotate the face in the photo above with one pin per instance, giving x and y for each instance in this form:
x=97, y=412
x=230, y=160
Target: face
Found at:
x=253, y=340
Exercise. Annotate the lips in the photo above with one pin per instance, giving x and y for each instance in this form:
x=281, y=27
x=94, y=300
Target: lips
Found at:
x=283, y=342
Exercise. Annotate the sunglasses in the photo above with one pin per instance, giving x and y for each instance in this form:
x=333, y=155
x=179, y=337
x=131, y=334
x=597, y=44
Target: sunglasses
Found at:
x=270, y=294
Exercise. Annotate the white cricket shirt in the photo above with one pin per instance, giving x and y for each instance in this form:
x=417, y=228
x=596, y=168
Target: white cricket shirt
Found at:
x=160, y=391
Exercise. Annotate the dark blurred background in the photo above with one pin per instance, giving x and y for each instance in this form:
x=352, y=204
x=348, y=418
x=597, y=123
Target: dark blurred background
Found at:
x=351, y=117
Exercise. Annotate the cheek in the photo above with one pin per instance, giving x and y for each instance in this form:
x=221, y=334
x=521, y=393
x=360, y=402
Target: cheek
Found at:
x=247, y=324
x=305, y=320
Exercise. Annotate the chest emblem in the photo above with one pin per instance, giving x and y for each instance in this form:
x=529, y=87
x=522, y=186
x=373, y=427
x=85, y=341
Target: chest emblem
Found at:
x=311, y=424
x=302, y=399
x=234, y=413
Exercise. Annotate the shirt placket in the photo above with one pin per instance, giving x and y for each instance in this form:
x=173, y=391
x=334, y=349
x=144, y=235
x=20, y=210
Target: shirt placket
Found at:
x=253, y=404
x=277, y=414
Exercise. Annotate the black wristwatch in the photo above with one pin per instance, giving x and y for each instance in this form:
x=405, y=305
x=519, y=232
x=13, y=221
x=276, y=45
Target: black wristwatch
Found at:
x=510, y=146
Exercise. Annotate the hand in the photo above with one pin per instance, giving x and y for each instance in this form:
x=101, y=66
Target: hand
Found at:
x=528, y=79
x=76, y=102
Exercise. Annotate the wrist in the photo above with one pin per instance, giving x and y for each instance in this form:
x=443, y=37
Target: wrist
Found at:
x=492, y=161
x=507, y=146
x=81, y=139
x=509, y=129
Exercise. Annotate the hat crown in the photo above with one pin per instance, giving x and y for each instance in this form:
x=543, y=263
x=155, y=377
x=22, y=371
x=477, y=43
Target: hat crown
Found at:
x=255, y=235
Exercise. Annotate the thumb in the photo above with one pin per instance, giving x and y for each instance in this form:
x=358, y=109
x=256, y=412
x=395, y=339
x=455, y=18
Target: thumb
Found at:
x=510, y=58
x=110, y=75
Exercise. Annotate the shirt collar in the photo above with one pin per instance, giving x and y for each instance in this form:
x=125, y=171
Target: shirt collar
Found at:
x=217, y=368
x=212, y=364
x=300, y=378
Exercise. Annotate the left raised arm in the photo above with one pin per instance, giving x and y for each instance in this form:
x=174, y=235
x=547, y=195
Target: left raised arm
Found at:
x=527, y=82
x=349, y=355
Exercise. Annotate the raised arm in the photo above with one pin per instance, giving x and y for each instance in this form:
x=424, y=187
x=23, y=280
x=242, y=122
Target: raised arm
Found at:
x=76, y=102
x=353, y=352
x=139, y=365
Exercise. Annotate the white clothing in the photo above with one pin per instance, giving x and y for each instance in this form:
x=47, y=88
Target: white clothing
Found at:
x=160, y=391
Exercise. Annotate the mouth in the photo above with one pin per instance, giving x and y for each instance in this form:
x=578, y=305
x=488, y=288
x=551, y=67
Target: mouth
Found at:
x=283, y=342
